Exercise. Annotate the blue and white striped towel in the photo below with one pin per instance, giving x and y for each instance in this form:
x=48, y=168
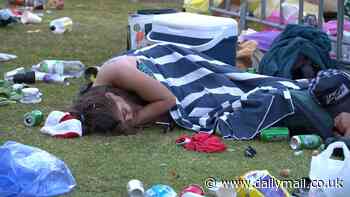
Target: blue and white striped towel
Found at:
x=212, y=95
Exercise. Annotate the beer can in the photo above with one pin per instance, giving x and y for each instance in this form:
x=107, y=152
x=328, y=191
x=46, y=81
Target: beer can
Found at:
x=299, y=142
x=33, y=118
x=251, y=70
x=274, y=134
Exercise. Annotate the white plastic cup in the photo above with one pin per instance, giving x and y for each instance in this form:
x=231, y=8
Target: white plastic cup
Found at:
x=30, y=18
x=135, y=188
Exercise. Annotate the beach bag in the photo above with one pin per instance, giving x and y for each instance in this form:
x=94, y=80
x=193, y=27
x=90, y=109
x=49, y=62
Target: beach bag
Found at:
x=331, y=176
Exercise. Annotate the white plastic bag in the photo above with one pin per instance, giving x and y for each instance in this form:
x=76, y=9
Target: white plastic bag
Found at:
x=332, y=175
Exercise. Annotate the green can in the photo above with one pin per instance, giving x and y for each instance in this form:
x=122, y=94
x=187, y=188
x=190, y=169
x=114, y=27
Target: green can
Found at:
x=299, y=142
x=274, y=134
x=251, y=70
x=33, y=118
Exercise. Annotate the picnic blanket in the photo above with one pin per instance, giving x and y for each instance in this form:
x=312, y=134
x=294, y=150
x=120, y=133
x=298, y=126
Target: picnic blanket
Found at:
x=212, y=95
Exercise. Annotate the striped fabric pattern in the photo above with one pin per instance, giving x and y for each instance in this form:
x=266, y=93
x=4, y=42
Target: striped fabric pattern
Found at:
x=213, y=96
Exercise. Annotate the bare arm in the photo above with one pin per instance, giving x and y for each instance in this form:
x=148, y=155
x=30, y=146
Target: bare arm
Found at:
x=342, y=123
x=123, y=74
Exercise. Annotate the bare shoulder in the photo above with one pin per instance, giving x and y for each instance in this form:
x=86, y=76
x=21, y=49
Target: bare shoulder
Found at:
x=115, y=68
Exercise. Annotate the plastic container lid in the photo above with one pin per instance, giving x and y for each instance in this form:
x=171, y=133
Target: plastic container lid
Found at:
x=156, y=11
x=193, y=22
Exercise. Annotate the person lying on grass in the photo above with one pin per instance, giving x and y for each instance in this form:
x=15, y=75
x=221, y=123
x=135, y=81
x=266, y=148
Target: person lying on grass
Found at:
x=200, y=93
x=122, y=97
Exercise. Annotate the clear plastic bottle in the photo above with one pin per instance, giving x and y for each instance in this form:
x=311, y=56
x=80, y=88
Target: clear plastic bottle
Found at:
x=61, y=67
x=61, y=25
x=51, y=78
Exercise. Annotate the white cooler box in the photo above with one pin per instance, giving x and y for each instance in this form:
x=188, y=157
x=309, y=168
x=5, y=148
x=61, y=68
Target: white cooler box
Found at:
x=211, y=35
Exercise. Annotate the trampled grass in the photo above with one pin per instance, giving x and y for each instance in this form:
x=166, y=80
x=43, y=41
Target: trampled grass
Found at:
x=103, y=165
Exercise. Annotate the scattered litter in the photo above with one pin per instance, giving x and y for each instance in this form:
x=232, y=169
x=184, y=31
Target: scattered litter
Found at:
x=250, y=152
x=8, y=95
x=31, y=96
x=62, y=125
x=30, y=18
x=26, y=77
x=7, y=17
x=274, y=134
x=61, y=67
x=256, y=180
x=51, y=78
x=34, y=31
x=285, y=173
x=201, y=142
x=4, y=101
x=323, y=168
x=19, y=76
x=298, y=153
x=135, y=188
x=61, y=25
x=30, y=171
x=33, y=118
x=299, y=142
x=18, y=87
x=6, y=57
x=8, y=76
x=192, y=190
x=160, y=190
x=315, y=152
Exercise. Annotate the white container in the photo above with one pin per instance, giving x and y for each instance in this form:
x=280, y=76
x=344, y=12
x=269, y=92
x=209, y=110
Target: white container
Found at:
x=135, y=188
x=30, y=18
x=31, y=96
x=211, y=35
x=61, y=25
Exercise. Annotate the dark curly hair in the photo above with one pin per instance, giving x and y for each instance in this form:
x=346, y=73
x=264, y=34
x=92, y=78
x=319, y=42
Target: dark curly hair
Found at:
x=95, y=111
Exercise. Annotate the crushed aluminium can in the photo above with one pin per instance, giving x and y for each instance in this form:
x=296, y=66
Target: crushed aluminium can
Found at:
x=33, y=118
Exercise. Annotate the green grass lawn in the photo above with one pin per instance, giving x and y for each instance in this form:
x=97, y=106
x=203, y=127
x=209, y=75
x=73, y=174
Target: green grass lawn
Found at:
x=103, y=165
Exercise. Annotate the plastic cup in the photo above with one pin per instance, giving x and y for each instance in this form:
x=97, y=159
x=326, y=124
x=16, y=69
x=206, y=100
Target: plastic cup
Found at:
x=135, y=188
x=30, y=18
